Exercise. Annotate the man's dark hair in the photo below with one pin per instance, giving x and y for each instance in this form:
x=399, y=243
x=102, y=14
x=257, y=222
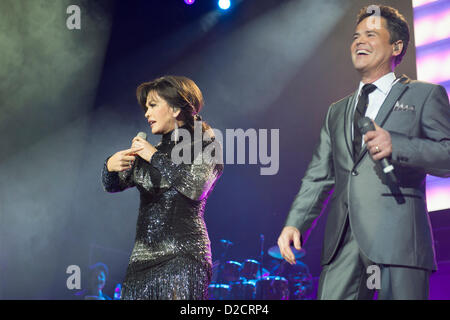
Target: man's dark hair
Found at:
x=396, y=24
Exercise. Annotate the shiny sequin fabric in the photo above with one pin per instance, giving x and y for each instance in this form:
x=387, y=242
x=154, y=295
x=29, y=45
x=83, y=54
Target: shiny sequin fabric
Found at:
x=171, y=258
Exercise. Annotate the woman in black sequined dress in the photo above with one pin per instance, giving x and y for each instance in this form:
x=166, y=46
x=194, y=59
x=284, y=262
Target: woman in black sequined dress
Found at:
x=171, y=258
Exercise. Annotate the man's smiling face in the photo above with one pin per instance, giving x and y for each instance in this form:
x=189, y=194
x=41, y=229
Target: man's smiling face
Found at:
x=371, y=50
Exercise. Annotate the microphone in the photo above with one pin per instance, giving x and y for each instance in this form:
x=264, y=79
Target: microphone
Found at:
x=365, y=125
x=143, y=135
x=261, y=238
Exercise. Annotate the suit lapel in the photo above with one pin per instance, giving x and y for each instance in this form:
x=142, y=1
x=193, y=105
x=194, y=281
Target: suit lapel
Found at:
x=386, y=108
x=393, y=96
x=349, y=122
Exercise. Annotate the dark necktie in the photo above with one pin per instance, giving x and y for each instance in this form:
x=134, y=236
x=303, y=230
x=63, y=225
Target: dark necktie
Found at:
x=360, y=112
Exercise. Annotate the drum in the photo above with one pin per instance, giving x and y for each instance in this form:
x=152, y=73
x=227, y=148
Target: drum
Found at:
x=219, y=291
x=300, y=283
x=299, y=278
x=243, y=290
x=272, y=288
x=298, y=291
x=231, y=271
x=250, y=269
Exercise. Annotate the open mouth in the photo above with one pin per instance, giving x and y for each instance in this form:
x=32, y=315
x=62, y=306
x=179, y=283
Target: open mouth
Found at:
x=151, y=122
x=362, y=52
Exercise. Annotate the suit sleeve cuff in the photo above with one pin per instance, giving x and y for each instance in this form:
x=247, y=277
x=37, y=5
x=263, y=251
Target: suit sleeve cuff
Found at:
x=399, y=155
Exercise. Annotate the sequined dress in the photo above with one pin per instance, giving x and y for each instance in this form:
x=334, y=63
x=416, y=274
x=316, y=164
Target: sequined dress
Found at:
x=171, y=258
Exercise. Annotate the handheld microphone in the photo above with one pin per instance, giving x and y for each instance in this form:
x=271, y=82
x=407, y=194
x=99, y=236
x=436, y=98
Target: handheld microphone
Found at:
x=143, y=135
x=261, y=238
x=365, y=125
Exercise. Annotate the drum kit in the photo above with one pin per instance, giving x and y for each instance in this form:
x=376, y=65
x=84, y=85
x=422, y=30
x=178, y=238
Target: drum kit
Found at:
x=249, y=280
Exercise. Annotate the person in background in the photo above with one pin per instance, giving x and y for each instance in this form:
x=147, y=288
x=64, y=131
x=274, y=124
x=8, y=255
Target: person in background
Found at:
x=98, y=274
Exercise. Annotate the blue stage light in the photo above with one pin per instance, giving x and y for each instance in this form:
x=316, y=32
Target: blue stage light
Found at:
x=224, y=4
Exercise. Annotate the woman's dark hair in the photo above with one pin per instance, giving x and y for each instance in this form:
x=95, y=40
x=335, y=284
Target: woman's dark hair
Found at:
x=179, y=92
x=396, y=24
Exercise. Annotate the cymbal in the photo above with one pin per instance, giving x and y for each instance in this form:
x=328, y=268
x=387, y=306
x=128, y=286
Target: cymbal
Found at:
x=275, y=252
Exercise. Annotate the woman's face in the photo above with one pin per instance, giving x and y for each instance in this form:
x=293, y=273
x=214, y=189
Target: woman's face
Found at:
x=159, y=114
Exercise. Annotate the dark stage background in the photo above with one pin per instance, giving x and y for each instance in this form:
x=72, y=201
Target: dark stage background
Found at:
x=68, y=102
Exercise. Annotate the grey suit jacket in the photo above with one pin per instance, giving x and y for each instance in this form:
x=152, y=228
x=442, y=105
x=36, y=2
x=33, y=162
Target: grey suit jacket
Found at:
x=390, y=222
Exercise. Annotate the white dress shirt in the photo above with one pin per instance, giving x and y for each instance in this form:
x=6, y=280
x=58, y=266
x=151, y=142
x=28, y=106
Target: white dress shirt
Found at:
x=377, y=97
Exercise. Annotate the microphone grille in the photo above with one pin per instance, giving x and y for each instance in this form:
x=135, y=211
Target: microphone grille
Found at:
x=365, y=125
x=143, y=135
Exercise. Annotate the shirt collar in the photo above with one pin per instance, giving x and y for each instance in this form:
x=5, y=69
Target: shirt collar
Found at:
x=384, y=84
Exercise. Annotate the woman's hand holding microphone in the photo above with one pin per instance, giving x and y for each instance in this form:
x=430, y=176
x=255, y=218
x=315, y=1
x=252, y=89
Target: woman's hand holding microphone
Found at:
x=123, y=160
x=146, y=150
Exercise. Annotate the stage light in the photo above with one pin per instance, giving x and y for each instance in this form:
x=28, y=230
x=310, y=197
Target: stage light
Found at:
x=432, y=35
x=418, y=3
x=189, y=2
x=432, y=27
x=224, y=4
x=434, y=67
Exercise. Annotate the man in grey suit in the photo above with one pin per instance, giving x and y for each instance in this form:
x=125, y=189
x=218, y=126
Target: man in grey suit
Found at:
x=376, y=226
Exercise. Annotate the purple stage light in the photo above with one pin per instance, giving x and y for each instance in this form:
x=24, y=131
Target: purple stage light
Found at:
x=432, y=37
x=418, y=3
x=189, y=2
x=434, y=67
x=432, y=27
x=438, y=191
